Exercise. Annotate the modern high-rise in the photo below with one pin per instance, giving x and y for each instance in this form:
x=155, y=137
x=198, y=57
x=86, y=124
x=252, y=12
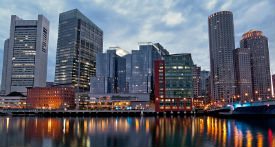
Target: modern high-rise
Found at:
x=4, y=66
x=197, y=81
x=221, y=44
x=207, y=97
x=260, y=64
x=273, y=81
x=110, y=73
x=79, y=40
x=243, y=74
x=204, y=74
x=140, y=67
x=25, y=55
x=174, y=83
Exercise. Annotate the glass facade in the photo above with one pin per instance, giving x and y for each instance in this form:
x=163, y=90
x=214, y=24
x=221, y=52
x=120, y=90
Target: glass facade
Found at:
x=140, y=67
x=110, y=73
x=178, y=76
x=204, y=76
x=174, y=83
x=79, y=40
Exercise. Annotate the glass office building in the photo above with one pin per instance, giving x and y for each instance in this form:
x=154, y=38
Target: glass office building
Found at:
x=140, y=67
x=110, y=73
x=79, y=40
x=174, y=83
x=204, y=75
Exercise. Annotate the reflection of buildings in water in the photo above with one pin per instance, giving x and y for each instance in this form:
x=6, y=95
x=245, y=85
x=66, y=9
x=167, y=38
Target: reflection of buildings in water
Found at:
x=40, y=128
x=11, y=131
x=192, y=131
x=172, y=131
x=140, y=131
x=239, y=135
x=122, y=131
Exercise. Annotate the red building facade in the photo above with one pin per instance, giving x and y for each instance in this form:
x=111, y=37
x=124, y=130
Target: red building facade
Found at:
x=50, y=97
x=166, y=102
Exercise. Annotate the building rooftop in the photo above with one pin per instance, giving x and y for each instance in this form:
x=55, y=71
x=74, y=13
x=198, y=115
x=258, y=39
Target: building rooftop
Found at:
x=75, y=13
x=252, y=33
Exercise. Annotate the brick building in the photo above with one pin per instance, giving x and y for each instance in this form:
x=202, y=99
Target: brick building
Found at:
x=50, y=97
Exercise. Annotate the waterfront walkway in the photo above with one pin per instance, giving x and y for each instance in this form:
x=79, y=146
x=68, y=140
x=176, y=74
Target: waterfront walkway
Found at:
x=86, y=112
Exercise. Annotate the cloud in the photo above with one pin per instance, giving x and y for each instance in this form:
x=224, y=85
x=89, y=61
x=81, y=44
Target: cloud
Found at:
x=173, y=18
x=210, y=5
x=226, y=5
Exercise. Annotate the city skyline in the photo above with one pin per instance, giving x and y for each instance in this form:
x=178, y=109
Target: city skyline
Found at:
x=120, y=22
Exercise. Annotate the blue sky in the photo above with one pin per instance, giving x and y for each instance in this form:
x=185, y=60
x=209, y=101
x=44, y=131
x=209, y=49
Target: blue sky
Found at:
x=179, y=25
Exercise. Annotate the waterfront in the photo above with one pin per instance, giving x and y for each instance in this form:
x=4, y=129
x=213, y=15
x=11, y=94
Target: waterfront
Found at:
x=137, y=131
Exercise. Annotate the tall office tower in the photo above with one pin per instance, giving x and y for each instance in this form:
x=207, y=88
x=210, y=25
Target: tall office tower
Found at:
x=197, y=81
x=25, y=55
x=273, y=81
x=243, y=74
x=221, y=44
x=260, y=66
x=128, y=59
x=79, y=40
x=204, y=74
x=4, y=66
x=174, y=83
x=142, y=66
x=110, y=73
x=207, y=98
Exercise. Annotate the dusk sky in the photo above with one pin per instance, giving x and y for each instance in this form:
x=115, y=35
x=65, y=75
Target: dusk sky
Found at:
x=181, y=26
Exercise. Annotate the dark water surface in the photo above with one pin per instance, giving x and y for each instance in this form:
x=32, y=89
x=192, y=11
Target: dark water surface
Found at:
x=137, y=131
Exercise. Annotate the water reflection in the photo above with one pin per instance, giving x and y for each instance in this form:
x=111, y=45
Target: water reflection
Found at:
x=137, y=131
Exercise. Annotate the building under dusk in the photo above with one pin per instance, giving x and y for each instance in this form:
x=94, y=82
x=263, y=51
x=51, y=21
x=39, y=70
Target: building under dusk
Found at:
x=174, y=83
x=221, y=44
x=243, y=74
x=197, y=81
x=260, y=64
x=273, y=81
x=140, y=67
x=50, y=98
x=25, y=55
x=79, y=40
x=110, y=73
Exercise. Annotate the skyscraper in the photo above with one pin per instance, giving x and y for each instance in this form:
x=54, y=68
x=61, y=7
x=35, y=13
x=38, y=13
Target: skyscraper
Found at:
x=204, y=75
x=4, y=66
x=141, y=64
x=260, y=66
x=25, y=55
x=273, y=81
x=221, y=44
x=79, y=40
x=243, y=74
x=110, y=73
x=197, y=81
x=174, y=83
